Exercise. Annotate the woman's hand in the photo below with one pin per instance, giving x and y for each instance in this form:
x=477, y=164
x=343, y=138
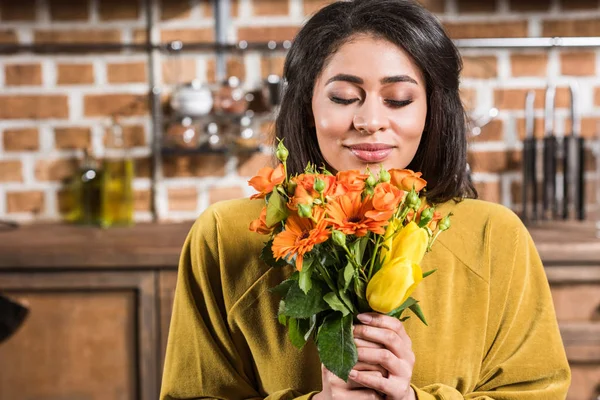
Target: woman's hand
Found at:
x=336, y=388
x=382, y=341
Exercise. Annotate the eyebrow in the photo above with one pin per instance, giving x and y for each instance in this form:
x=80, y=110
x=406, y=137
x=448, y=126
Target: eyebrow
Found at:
x=357, y=80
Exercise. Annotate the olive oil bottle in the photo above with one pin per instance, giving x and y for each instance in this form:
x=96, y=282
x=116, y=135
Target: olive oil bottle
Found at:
x=83, y=202
x=117, y=182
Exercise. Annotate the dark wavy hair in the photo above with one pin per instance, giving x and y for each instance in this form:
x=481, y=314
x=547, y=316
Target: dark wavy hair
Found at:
x=442, y=152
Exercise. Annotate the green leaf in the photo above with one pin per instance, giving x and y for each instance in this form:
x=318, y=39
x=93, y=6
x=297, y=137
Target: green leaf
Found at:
x=305, y=282
x=280, y=317
x=398, y=311
x=335, y=303
x=285, y=286
x=276, y=209
x=346, y=300
x=335, y=344
x=311, y=327
x=267, y=256
x=348, y=275
x=297, y=330
x=426, y=274
x=303, y=305
x=416, y=308
x=404, y=318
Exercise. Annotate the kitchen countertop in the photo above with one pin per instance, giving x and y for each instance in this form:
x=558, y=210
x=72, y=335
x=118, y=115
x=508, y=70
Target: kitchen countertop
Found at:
x=149, y=245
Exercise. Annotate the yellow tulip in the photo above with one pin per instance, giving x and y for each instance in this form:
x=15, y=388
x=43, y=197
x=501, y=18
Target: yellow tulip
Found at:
x=393, y=284
x=411, y=242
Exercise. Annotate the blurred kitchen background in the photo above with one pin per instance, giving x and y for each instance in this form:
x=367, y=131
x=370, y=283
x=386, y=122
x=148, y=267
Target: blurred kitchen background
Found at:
x=121, y=121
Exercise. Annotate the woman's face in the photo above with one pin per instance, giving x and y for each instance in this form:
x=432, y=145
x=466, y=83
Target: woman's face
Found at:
x=369, y=105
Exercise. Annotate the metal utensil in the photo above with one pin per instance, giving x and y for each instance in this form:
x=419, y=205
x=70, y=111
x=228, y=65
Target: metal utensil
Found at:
x=574, y=163
x=549, y=203
x=529, y=202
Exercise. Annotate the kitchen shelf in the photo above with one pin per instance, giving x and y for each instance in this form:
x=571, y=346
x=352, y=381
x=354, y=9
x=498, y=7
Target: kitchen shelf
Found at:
x=167, y=151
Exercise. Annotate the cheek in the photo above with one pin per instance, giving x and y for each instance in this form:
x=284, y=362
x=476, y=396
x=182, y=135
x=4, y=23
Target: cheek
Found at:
x=331, y=122
x=410, y=125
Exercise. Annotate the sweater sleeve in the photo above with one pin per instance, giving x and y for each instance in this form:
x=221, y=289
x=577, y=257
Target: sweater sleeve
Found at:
x=525, y=357
x=202, y=361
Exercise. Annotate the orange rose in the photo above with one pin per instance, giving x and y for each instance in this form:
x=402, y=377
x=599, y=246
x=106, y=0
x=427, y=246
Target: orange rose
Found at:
x=386, y=198
x=305, y=192
x=350, y=181
x=260, y=225
x=404, y=179
x=266, y=180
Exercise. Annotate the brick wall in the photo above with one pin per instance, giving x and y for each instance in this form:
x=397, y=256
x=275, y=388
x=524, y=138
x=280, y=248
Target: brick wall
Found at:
x=52, y=106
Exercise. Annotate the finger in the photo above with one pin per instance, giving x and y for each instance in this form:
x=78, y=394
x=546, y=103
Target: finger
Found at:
x=385, y=322
x=380, y=384
x=365, y=343
x=355, y=385
x=388, y=360
x=361, y=366
x=385, y=337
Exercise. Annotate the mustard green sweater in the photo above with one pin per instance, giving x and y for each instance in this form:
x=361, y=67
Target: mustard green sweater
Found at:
x=492, y=330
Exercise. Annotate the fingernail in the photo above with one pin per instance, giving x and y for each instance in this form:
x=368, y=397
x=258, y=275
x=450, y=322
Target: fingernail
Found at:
x=353, y=374
x=364, y=318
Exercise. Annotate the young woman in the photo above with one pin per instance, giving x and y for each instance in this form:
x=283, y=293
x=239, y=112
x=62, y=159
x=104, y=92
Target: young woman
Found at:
x=372, y=82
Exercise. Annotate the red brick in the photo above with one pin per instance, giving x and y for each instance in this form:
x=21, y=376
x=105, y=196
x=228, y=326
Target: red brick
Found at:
x=249, y=165
x=468, y=97
x=266, y=33
x=590, y=127
x=110, y=10
x=79, y=36
x=134, y=72
x=75, y=74
x=72, y=138
x=514, y=99
x=469, y=30
x=182, y=199
x=23, y=74
x=33, y=107
x=488, y=161
x=529, y=64
x=97, y=105
x=312, y=6
x=11, y=171
x=435, y=6
x=207, y=8
x=578, y=63
x=597, y=96
x=225, y=193
x=482, y=67
x=17, y=10
x=175, y=9
x=179, y=70
x=142, y=200
x=133, y=136
x=55, y=170
x=190, y=35
x=489, y=191
x=29, y=201
x=529, y=5
x=271, y=65
x=579, y=27
x=491, y=132
x=21, y=139
x=140, y=36
x=270, y=7
x=8, y=37
x=235, y=67
x=476, y=6
x=66, y=10
x=539, y=128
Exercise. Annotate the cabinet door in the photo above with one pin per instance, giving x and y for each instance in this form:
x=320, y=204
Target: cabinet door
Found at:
x=167, y=281
x=87, y=336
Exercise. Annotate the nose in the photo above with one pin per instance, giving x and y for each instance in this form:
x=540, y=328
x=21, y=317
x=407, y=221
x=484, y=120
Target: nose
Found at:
x=371, y=117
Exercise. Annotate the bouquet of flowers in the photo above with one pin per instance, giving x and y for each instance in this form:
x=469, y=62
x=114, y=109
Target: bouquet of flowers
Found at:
x=356, y=241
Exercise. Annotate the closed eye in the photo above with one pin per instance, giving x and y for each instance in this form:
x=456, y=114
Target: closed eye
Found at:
x=398, y=103
x=339, y=100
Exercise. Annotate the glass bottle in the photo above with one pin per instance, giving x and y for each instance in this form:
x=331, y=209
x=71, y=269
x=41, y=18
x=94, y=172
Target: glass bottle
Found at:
x=117, y=181
x=84, y=192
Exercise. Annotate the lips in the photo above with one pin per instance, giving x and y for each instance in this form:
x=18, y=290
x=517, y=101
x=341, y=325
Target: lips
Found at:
x=371, y=152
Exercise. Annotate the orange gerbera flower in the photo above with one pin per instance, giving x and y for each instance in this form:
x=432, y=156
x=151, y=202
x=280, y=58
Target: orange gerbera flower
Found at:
x=404, y=179
x=350, y=181
x=300, y=236
x=266, y=180
x=386, y=198
x=260, y=225
x=348, y=214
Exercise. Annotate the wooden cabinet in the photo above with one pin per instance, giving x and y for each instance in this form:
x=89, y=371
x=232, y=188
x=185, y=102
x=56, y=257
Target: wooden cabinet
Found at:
x=89, y=335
